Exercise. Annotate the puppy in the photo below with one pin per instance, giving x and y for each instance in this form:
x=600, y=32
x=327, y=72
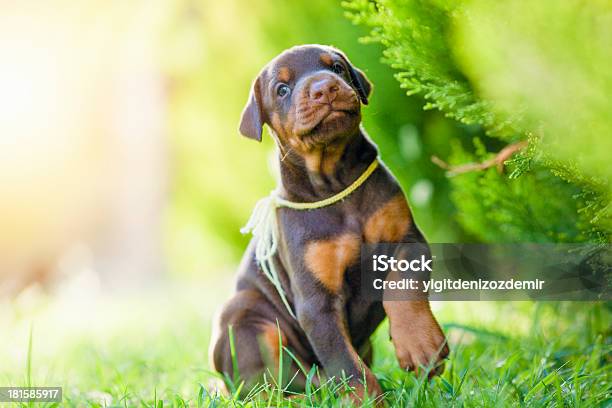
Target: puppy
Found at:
x=310, y=98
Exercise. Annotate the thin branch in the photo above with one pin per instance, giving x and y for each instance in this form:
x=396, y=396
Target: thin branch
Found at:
x=498, y=161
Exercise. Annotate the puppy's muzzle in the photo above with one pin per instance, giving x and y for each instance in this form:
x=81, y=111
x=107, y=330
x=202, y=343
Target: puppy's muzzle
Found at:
x=321, y=96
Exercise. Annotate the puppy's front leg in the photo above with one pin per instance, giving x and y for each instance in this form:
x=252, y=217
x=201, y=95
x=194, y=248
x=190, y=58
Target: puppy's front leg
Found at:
x=415, y=333
x=321, y=309
x=323, y=319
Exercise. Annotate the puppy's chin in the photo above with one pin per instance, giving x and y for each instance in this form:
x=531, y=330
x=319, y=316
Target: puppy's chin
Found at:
x=333, y=127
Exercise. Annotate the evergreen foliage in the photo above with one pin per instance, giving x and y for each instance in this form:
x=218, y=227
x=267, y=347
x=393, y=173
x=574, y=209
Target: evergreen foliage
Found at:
x=519, y=71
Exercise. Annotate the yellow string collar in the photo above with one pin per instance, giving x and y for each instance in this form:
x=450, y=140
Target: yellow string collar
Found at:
x=264, y=226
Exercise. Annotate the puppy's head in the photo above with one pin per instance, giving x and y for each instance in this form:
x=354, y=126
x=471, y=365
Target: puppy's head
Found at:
x=309, y=96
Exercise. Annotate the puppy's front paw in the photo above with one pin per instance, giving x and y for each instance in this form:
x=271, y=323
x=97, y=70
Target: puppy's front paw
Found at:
x=420, y=343
x=371, y=387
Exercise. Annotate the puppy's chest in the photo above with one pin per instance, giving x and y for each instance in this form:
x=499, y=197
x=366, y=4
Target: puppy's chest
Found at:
x=389, y=221
x=334, y=245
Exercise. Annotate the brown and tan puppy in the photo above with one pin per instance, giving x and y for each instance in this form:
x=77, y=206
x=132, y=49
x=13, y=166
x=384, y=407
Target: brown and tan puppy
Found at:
x=310, y=97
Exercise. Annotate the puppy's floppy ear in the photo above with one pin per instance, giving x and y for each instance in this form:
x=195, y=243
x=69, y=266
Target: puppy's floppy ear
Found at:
x=359, y=81
x=251, y=122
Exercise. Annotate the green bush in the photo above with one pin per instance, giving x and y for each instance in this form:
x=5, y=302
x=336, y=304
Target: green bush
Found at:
x=518, y=70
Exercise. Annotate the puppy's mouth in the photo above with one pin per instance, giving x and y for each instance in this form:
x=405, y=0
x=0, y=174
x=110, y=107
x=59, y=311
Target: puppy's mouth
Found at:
x=328, y=122
x=329, y=119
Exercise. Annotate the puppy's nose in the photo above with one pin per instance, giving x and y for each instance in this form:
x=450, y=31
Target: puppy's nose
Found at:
x=324, y=90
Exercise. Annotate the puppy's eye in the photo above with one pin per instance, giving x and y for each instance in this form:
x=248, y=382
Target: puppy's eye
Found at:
x=337, y=68
x=283, y=90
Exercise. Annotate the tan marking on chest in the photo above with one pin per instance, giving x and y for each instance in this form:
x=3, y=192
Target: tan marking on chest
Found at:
x=328, y=259
x=390, y=223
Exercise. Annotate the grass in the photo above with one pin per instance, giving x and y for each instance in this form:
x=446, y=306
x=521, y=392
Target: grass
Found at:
x=151, y=351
